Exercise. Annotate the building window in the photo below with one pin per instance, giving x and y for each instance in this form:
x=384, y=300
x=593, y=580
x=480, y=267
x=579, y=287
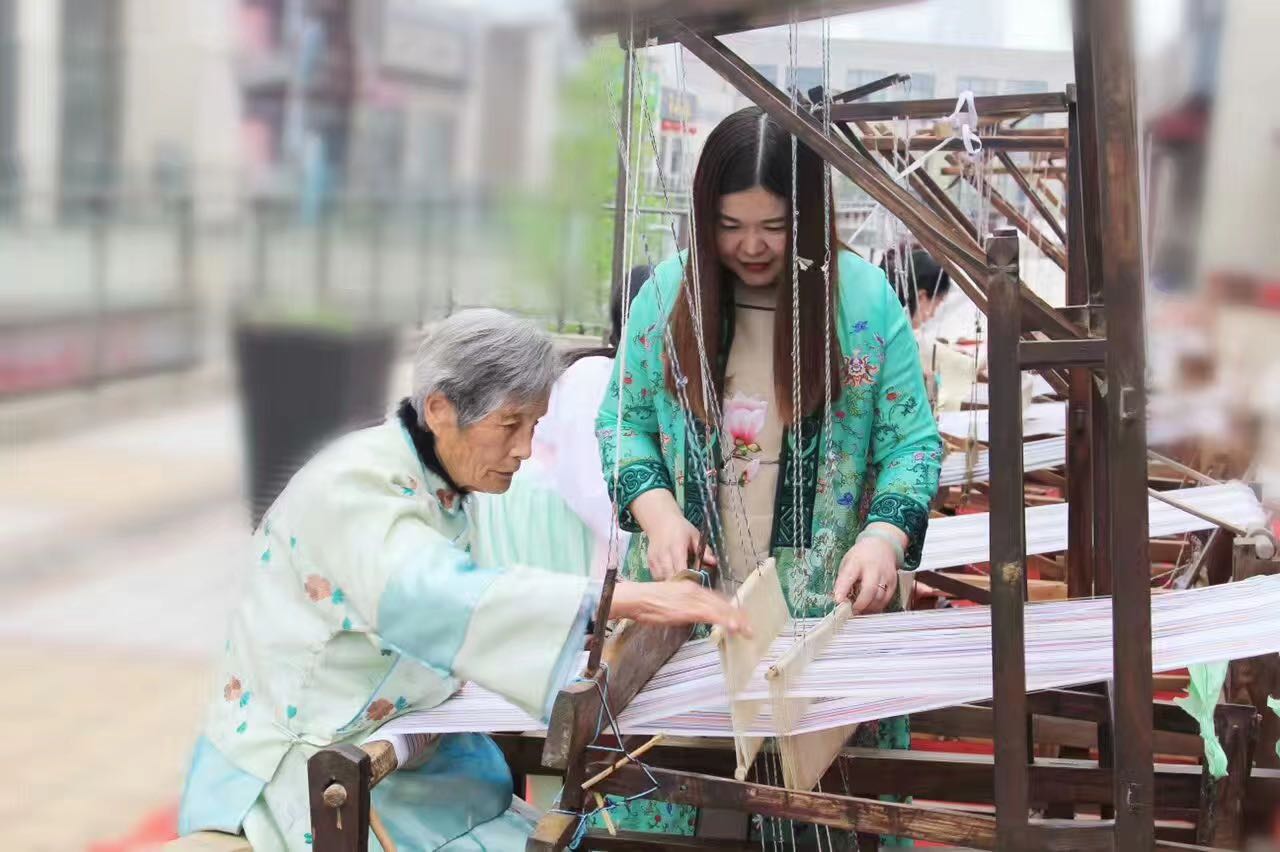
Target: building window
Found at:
x=1024, y=87
x=858, y=77
x=769, y=72
x=9, y=173
x=921, y=87
x=804, y=79
x=90, y=104
x=980, y=86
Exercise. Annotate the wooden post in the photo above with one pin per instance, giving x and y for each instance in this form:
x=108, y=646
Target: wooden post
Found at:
x=1080, y=549
x=340, y=824
x=1221, y=822
x=1253, y=680
x=1008, y=542
x=1103, y=38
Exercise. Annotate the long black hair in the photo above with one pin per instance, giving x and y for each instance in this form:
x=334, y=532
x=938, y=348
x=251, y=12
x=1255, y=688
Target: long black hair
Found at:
x=617, y=294
x=747, y=150
x=925, y=275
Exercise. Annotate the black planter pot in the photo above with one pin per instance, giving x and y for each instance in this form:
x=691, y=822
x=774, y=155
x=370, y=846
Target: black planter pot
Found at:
x=300, y=387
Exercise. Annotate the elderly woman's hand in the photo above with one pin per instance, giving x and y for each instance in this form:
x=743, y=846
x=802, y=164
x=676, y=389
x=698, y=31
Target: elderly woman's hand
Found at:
x=869, y=572
x=672, y=539
x=676, y=602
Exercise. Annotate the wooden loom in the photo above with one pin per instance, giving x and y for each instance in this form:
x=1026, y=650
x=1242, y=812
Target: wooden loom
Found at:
x=1102, y=378
x=1106, y=479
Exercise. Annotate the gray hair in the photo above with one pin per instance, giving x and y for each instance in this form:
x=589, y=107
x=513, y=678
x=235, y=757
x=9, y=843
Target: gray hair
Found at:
x=481, y=359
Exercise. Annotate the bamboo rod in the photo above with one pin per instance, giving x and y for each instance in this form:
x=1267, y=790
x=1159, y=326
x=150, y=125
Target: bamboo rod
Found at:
x=603, y=774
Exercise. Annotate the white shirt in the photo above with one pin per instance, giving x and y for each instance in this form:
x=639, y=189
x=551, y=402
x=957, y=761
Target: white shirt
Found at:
x=566, y=453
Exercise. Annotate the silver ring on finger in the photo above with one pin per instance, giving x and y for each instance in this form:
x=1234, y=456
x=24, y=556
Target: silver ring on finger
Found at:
x=884, y=587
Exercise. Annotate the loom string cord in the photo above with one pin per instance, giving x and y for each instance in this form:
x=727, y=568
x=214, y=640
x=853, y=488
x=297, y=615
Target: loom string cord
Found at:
x=629, y=212
x=700, y=449
x=610, y=803
x=613, y=556
x=714, y=424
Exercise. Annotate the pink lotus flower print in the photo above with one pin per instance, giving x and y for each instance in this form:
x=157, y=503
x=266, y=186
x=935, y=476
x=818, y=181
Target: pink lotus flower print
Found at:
x=743, y=420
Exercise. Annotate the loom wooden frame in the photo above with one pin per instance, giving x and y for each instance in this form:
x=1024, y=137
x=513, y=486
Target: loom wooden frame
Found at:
x=1106, y=484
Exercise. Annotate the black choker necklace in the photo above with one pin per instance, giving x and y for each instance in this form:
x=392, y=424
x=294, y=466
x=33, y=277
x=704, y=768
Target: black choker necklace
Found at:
x=425, y=444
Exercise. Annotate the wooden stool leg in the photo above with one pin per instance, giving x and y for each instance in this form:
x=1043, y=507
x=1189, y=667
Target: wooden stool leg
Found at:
x=1221, y=822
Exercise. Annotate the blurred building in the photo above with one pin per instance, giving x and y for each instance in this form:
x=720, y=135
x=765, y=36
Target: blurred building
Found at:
x=101, y=99
x=392, y=97
x=693, y=98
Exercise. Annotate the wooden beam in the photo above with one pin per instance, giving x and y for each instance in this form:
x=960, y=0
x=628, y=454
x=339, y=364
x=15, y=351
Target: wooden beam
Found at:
x=712, y=17
x=924, y=224
x=1222, y=801
x=1028, y=190
x=987, y=107
x=974, y=722
x=943, y=777
x=1009, y=210
x=841, y=812
x=632, y=655
x=955, y=585
x=552, y=832
x=868, y=89
x=927, y=142
x=639, y=841
x=1040, y=354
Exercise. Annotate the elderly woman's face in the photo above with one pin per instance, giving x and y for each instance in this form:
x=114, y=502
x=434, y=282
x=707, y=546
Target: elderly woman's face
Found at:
x=485, y=455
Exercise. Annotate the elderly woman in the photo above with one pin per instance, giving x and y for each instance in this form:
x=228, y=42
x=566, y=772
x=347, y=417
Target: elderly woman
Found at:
x=363, y=603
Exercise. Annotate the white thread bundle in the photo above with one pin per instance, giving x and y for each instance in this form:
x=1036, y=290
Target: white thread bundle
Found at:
x=1040, y=418
x=965, y=539
x=886, y=665
x=1044, y=454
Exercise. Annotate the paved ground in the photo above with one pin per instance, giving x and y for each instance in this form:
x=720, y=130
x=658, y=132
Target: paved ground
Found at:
x=120, y=558
x=118, y=563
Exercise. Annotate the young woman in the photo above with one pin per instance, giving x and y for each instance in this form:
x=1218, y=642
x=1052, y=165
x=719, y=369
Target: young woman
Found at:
x=834, y=477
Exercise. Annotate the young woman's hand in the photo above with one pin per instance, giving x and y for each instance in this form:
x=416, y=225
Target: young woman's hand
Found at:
x=672, y=539
x=676, y=602
x=869, y=574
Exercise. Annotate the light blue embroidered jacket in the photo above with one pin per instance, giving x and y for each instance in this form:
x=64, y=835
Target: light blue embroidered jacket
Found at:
x=363, y=603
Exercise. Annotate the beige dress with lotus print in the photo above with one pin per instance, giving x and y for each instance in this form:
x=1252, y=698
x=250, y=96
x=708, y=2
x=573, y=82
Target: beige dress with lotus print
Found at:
x=752, y=432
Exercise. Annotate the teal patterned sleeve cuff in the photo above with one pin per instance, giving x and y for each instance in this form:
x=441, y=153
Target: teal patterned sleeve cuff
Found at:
x=908, y=516
x=634, y=479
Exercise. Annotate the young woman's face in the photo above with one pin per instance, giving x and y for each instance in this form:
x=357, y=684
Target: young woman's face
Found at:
x=751, y=235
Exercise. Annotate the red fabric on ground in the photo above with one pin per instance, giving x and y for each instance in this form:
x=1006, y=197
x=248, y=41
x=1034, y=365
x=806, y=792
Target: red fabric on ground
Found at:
x=153, y=830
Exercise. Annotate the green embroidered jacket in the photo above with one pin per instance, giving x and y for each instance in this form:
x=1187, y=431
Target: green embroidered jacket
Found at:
x=882, y=455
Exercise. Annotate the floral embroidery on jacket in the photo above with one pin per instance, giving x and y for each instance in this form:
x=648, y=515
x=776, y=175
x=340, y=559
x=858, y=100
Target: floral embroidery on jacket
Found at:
x=318, y=588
